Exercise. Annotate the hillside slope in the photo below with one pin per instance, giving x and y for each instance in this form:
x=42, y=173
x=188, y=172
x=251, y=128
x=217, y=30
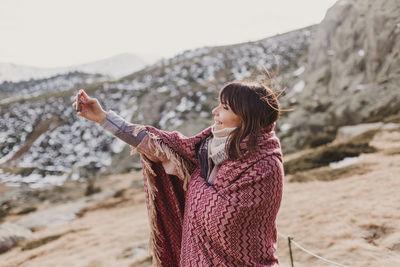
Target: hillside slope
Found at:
x=174, y=94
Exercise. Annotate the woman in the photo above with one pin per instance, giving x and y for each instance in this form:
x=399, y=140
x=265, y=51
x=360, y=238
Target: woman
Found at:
x=212, y=198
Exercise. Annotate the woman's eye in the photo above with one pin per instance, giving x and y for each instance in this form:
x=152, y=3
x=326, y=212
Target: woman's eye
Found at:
x=226, y=108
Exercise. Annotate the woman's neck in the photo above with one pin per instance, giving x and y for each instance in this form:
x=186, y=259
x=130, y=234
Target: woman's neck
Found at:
x=222, y=132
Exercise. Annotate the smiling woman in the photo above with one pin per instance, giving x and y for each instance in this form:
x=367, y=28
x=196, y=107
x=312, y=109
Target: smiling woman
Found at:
x=212, y=198
x=224, y=117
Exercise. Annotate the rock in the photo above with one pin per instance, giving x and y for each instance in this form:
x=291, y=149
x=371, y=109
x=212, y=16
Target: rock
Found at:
x=25, y=210
x=396, y=246
x=52, y=216
x=90, y=171
x=5, y=207
x=346, y=132
x=62, y=213
x=11, y=234
x=139, y=253
x=352, y=72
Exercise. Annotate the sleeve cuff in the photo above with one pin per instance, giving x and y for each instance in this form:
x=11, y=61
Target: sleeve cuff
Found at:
x=112, y=122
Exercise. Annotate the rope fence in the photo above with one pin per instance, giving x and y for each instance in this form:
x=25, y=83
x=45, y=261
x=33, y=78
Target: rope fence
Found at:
x=291, y=241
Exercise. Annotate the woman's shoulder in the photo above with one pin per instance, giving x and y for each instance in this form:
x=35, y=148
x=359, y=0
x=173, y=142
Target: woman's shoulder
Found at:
x=268, y=148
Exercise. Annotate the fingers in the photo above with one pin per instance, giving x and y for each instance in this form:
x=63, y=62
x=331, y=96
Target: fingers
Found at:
x=90, y=101
x=86, y=104
x=85, y=99
x=83, y=93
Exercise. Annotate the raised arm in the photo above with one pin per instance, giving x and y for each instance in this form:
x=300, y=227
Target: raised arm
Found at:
x=91, y=109
x=175, y=151
x=122, y=129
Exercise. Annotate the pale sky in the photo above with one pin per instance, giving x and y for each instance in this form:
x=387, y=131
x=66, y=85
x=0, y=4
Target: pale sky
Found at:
x=55, y=33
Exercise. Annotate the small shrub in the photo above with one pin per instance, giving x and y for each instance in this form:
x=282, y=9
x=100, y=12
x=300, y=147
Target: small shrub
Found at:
x=119, y=193
x=27, y=210
x=41, y=242
x=387, y=113
x=92, y=189
x=376, y=232
x=5, y=208
x=393, y=119
x=47, y=239
x=320, y=139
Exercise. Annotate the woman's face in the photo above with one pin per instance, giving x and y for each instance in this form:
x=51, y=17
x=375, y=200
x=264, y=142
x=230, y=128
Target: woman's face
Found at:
x=224, y=117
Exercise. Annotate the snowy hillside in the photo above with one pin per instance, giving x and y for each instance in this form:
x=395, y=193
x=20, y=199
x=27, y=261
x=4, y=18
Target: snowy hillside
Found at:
x=116, y=67
x=44, y=140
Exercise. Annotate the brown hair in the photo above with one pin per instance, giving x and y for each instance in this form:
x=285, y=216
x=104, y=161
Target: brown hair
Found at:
x=258, y=107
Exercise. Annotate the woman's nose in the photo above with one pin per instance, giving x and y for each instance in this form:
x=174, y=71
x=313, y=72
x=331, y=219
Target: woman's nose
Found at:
x=214, y=111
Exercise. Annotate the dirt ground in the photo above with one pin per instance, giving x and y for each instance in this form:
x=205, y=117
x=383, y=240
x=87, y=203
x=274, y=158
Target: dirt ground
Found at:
x=353, y=221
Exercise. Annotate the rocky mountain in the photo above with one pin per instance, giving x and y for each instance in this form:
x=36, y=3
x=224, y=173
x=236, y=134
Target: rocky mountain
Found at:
x=352, y=73
x=116, y=66
x=344, y=71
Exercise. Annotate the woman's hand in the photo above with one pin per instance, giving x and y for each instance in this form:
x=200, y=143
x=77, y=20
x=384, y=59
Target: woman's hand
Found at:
x=90, y=108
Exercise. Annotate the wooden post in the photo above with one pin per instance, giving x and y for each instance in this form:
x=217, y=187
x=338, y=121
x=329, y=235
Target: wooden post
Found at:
x=290, y=250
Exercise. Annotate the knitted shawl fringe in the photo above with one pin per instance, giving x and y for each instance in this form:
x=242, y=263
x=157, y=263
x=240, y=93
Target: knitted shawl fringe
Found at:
x=161, y=150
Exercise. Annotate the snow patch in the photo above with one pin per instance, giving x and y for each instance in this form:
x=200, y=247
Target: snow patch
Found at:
x=299, y=71
x=299, y=86
x=343, y=163
x=285, y=127
x=360, y=87
x=331, y=52
x=185, y=105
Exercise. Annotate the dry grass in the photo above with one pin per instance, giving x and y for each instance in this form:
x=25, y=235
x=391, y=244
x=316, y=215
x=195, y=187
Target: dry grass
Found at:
x=47, y=239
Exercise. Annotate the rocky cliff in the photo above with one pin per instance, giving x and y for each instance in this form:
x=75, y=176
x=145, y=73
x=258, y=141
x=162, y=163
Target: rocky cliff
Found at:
x=352, y=73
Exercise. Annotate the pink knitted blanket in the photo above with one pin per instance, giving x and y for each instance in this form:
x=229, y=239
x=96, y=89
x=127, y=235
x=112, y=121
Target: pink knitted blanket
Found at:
x=231, y=223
